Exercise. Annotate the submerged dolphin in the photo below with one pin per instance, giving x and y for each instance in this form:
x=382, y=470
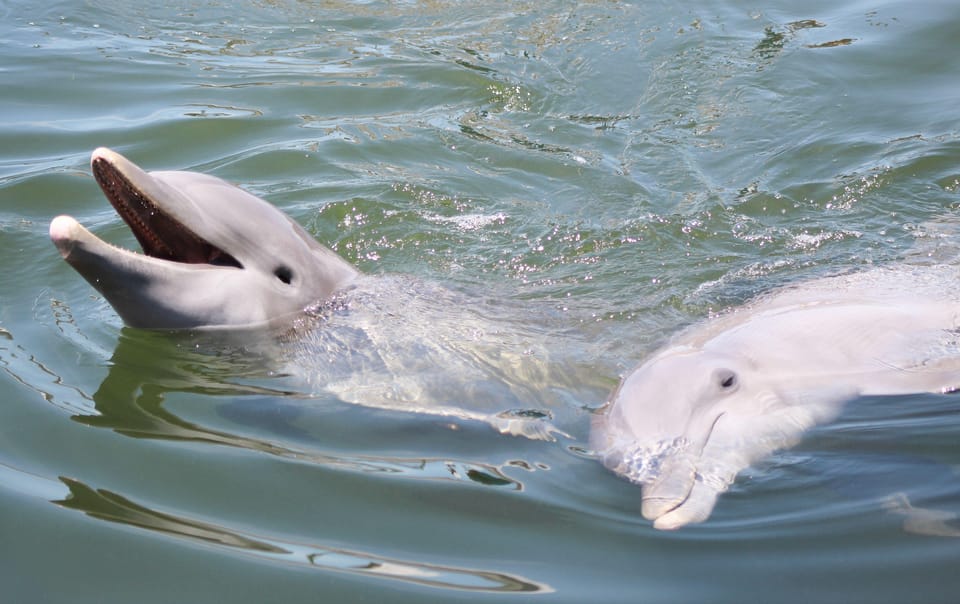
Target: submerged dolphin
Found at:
x=213, y=254
x=732, y=390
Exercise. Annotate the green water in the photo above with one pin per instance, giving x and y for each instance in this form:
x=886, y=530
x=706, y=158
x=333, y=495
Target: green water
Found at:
x=618, y=169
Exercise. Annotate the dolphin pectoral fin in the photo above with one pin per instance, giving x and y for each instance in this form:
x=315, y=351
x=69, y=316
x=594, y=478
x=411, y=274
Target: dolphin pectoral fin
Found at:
x=923, y=521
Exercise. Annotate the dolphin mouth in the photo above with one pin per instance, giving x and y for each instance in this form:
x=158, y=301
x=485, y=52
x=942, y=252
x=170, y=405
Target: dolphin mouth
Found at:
x=668, y=470
x=160, y=235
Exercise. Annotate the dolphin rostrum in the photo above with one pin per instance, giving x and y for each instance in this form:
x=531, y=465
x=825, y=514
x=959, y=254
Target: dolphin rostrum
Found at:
x=728, y=392
x=214, y=256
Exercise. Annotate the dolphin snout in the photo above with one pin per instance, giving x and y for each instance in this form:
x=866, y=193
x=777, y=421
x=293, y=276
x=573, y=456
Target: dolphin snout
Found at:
x=669, y=488
x=654, y=507
x=64, y=232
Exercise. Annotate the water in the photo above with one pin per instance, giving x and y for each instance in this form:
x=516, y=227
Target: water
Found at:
x=619, y=170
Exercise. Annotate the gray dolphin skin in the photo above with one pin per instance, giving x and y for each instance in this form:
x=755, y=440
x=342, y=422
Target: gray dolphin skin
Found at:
x=732, y=390
x=214, y=256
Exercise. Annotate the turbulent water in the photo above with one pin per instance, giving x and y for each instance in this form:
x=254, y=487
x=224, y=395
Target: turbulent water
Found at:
x=551, y=190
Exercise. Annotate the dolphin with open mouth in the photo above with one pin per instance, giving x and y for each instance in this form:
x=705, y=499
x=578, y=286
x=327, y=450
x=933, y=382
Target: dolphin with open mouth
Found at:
x=214, y=256
x=218, y=258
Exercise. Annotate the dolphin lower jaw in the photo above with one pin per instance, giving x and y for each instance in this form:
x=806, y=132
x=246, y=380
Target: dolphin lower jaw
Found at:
x=138, y=286
x=92, y=257
x=670, y=489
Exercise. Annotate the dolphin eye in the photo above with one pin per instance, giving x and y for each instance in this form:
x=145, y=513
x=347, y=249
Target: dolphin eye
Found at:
x=727, y=379
x=284, y=274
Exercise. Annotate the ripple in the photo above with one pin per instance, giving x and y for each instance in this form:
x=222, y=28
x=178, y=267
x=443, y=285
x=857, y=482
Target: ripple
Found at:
x=29, y=371
x=111, y=506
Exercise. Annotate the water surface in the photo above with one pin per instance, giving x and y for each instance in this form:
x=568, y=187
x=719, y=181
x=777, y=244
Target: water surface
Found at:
x=611, y=170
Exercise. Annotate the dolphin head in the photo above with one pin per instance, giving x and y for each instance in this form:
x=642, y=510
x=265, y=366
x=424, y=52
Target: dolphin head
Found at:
x=213, y=255
x=663, y=416
x=684, y=423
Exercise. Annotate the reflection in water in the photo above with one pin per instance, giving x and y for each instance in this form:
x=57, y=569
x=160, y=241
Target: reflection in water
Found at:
x=107, y=505
x=113, y=507
x=775, y=38
x=147, y=366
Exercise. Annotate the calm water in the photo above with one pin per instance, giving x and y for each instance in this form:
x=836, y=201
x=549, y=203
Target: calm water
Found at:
x=615, y=170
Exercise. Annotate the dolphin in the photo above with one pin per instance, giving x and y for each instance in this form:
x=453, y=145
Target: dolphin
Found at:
x=727, y=392
x=214, y=256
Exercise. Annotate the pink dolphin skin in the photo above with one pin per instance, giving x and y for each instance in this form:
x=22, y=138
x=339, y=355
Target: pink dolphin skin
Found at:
x=730, y=391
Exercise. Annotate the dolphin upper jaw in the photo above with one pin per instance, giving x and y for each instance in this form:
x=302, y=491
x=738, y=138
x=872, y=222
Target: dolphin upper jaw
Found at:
x=157, y=213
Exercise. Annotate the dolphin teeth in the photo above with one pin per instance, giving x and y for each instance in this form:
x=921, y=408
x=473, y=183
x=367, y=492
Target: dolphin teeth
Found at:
x=159, y=234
